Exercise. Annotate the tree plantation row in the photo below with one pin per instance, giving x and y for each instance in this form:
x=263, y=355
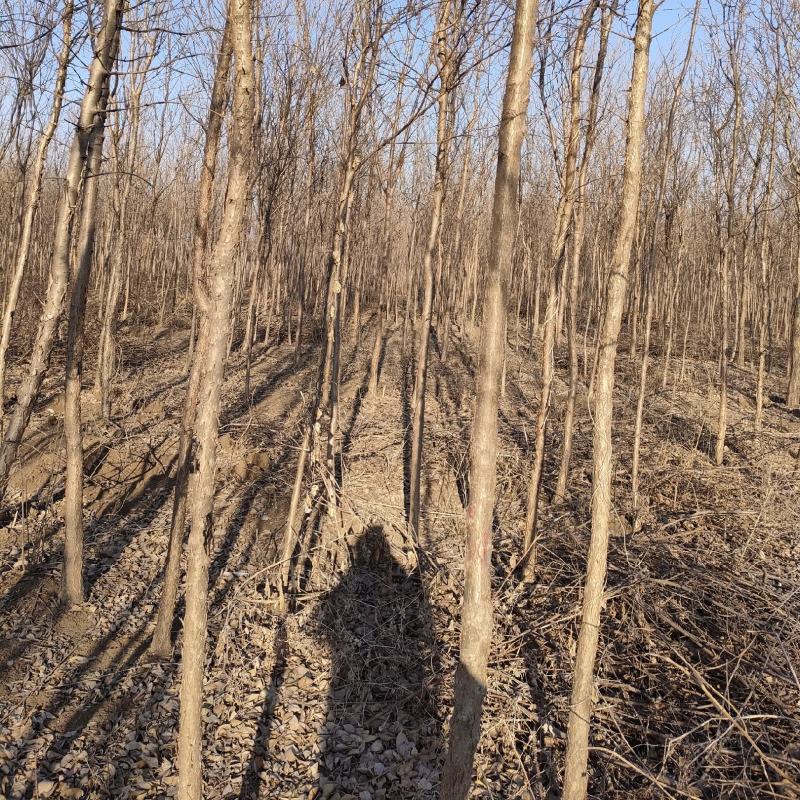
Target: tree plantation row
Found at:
x=600, y=198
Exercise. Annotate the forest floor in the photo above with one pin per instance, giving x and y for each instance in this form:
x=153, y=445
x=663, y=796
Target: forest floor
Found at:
x=347, y=695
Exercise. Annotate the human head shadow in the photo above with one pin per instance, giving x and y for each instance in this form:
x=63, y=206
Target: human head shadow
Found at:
x=381, y=723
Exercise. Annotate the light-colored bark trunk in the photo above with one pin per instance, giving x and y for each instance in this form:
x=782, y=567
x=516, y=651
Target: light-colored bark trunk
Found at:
x=726, y=257
x=324, y=406
x=556, y=279
x=637, y=429
x=72, y=574
x=763, y=283
x=476, y=611
x=327, y=381
x=160, y=645
x=99, y=69
x=216, y=307
x=444, y=54
x=32, y=198
x=578, y=232
x=575, y=771
x=793, y=386
x=123, y=184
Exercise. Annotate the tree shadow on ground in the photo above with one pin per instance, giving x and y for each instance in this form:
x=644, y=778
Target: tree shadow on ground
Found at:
x=406, y=391
x=260, y=752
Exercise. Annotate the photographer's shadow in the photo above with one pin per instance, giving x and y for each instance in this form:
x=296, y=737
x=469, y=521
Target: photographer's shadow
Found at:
x=382, y=737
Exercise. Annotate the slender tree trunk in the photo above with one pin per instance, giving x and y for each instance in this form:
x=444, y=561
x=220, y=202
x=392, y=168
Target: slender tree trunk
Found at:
x=160, y=645
x=97, y=83
x=327, y=380
x=575, y=771
x=72, y=575
x=719, y=450
x=32, y=198
x=217, y=310
x=725, y=266
x=742, y=305
x=424, y=331
x=578, y=232
x=793, y=386
x=762, y=322
x=476, y=611
x=377, y=347
x=107, y=350
x=763, y=283
x=551, y=321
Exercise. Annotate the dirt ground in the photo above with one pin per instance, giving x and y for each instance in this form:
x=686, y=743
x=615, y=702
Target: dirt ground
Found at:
x=347, y=696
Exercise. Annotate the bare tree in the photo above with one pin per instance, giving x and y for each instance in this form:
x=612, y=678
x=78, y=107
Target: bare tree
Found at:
x=575, y=771
x=649, y=273
x=476, y=611
x=578, y=234
x=160, y=644
x=733, y=35
x=558, y=251
x=72, y=577
x=142, y=52
x=33, y=196
x=99, y=71
x=364, y=40
x=215, y=306
x=444, y=36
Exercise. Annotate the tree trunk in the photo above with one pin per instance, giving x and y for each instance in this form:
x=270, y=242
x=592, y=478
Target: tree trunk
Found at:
x=476, y=612
x=325, y=396
x=72, y=575
x=727, y=255
x=763, y=283
x=32, y=198
x=575, y=772
x=578, y=232
x=444, y=55
x=106, y=352
x=101, y=65
x=556, y=279
x=160, y=644
x=217, y=312
x=793, y=387
x=637, y=430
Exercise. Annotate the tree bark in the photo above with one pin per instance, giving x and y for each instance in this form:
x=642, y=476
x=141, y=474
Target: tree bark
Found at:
x=763, y=283
x=122, y=191
x=33, y=197
x=557, y=264
x=160, y=644
x=476, y=612
x=793, y=386
x=217, y=311
x=727, y=256
x=575, y=772
x=325, y=395
x=578, y=233
x=637, y=429
x=72, y=575
x=97, y=83
x=444, y=56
